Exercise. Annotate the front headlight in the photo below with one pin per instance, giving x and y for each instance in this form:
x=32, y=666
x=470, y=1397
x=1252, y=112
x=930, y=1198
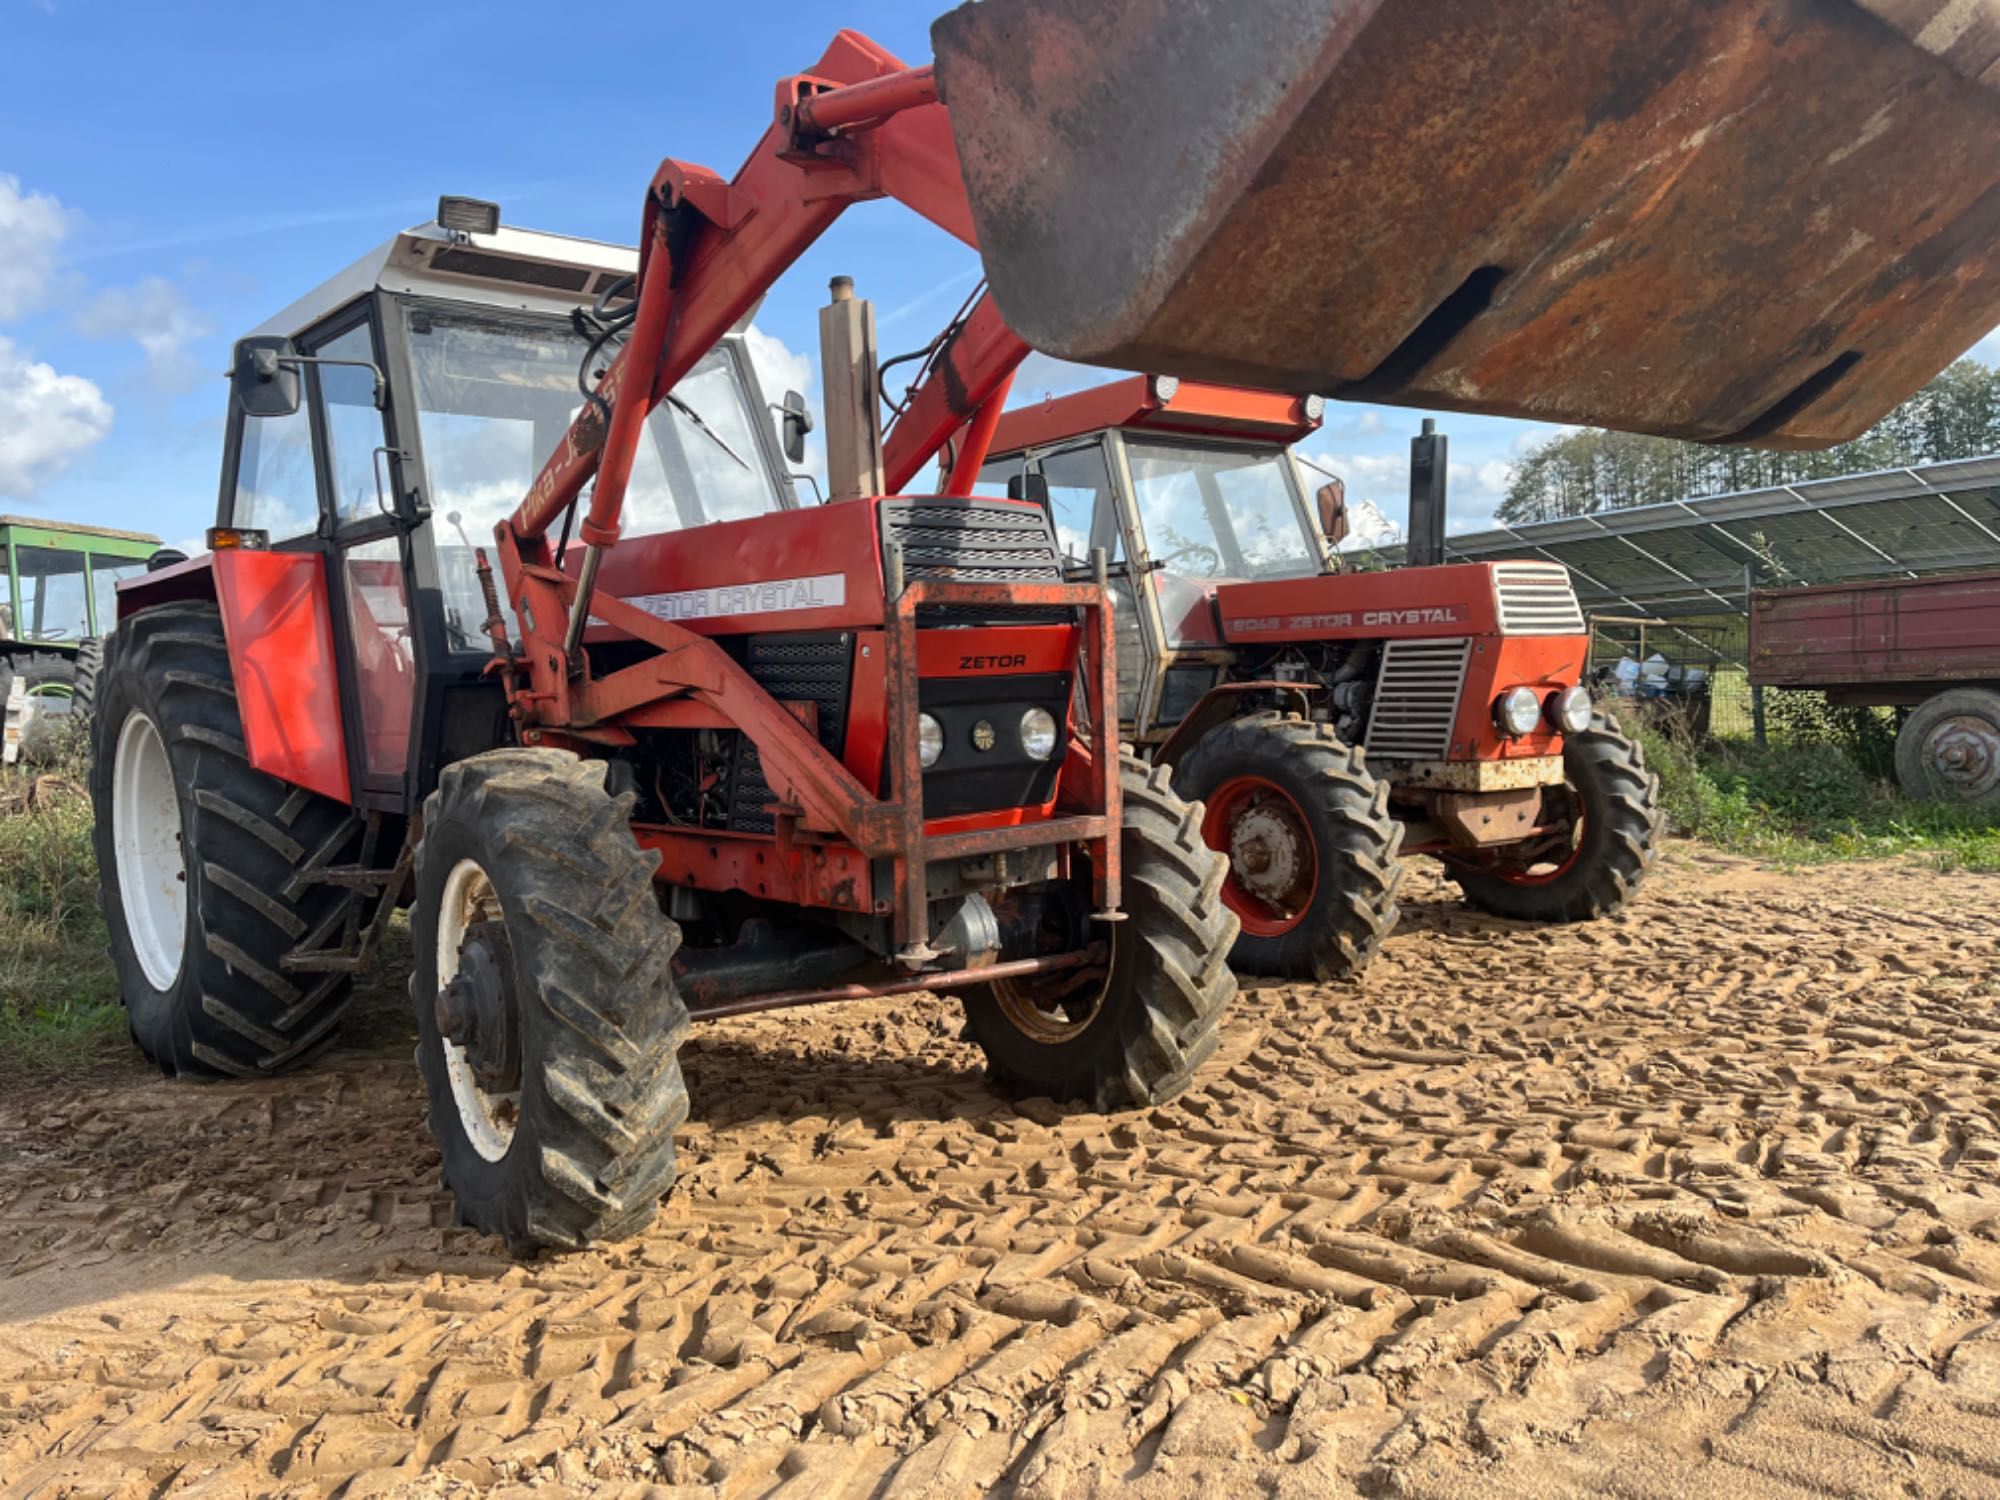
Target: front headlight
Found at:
x=1518, y=711
x=1038, y=733
x=930, y=741
x=1570, y=710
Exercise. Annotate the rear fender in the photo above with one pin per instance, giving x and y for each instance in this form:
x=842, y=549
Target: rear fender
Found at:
x=1228, y=701
x=278, y=622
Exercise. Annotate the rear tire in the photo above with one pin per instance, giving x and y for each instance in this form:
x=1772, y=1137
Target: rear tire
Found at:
x=1948, y=749
x=1329, y=803
x=1155, y=1016
x=89, y=666
x=213, y=857
x=1620, y=799
x=583, y=1147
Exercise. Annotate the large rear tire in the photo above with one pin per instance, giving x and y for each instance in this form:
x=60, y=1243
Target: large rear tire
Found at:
x=1613, y=837
x=1314, y=855
x=204, y=865
x=89, y=666
x=1948, y=749
x=556, y=1114
x=1132, y=1034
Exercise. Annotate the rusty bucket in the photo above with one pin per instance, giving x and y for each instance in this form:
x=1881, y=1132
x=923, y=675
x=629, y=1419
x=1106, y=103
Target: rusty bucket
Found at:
x=1731, y=220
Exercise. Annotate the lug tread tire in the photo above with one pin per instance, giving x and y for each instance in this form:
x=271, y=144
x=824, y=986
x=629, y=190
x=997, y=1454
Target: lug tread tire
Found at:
x=1358, y=843
x=601, y=1023
x=1171, y=980
x=233, y=1011
x=1623, y=824
x=89, y=667
x=1915, y=778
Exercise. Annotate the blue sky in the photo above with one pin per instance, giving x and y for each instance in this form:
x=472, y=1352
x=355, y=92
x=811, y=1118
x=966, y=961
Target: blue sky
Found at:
x=172, y=174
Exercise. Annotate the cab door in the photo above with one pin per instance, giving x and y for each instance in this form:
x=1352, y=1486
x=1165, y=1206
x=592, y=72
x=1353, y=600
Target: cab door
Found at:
x=368, y=552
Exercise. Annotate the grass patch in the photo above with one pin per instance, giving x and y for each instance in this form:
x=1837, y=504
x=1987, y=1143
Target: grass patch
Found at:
x=59, y=1009
x=1810, y=803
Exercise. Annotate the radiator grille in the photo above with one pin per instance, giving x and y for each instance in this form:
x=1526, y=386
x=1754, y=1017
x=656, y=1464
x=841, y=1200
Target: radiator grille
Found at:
x=1416, y=699
x=1536, y=599
x=815, y=670
x=972, y=541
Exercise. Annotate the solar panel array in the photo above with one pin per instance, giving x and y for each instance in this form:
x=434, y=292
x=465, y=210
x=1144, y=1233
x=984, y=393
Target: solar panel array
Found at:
x=1697, y=557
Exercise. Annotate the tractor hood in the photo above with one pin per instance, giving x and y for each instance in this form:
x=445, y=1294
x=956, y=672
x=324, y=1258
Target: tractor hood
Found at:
x=1461, y=599
x=1762, y=221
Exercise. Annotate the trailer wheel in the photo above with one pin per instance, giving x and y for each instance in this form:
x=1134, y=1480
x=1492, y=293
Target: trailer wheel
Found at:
x=1130, y=1033
x=203, y=863
x=1610, y=834
x=549, y=1026
x=1948, y=749
x=1313, y=851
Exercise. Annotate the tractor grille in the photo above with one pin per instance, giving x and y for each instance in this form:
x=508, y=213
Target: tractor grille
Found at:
x=1536, y=599
x=1416, y=699
x=813, y=669
x=975, y=541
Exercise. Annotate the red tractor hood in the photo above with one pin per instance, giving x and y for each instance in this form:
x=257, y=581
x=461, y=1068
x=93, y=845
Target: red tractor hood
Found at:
x=1458, y=599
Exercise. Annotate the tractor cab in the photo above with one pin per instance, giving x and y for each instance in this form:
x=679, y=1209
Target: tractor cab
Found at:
x=1184, y=486
x=435, y=376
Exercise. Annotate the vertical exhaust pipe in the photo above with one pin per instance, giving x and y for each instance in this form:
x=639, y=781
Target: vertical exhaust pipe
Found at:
x=850, y=374
x=1429, y=452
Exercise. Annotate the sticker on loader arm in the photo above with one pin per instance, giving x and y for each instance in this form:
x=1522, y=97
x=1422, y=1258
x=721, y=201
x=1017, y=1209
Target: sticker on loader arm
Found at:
x=770, y=597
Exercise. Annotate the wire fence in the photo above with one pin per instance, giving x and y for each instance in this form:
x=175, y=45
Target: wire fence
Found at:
x=1688, y=675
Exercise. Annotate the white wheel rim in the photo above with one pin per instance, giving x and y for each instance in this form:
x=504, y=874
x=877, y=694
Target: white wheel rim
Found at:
x=146, y=841
x=488, y=1119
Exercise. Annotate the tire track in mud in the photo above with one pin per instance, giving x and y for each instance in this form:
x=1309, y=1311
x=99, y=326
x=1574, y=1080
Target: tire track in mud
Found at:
x=1703, y=1198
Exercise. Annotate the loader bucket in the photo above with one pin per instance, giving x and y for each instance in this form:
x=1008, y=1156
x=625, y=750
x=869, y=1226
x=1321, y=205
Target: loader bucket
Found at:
x=1730, y=220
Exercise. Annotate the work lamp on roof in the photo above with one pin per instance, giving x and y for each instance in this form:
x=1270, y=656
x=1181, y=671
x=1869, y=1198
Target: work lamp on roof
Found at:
x=468, y=215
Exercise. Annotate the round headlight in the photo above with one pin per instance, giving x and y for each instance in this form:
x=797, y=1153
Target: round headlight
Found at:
x=1038, y=733
x=1570, y=710
x=1518, y=711
x=930, y=741
x=1315, y=408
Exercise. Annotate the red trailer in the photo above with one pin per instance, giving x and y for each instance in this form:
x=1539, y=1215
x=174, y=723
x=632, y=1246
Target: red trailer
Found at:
x=1931, y=645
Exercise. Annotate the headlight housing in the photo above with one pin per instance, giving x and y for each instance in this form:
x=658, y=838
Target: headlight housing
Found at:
x=1570, y=710
x=930, y=741
x=1518, y=712
x=1038, y=733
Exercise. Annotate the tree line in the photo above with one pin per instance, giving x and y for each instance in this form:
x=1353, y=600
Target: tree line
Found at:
x=1578, y=473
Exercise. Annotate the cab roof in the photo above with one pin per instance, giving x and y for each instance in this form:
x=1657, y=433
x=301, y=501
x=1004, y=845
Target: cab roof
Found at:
x=510, y=268
x=76, y=528
x=1156, y=404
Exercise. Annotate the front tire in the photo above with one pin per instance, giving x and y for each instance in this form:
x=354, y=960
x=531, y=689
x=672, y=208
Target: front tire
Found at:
x=205, y=865
x=528, y=848
x=1291, y=798
x=1614, y=834
x=1135, y=1034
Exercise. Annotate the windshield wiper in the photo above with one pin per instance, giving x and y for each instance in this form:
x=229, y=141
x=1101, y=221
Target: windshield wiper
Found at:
x=713, y=436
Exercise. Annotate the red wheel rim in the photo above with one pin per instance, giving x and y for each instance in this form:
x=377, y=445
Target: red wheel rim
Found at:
x=1533, y=874
x=1273, y=868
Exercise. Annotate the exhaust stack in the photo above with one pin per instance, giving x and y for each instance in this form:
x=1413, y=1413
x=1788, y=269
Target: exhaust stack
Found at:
x=850, y=373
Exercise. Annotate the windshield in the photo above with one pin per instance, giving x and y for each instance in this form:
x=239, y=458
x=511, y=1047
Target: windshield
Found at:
x=495, y=393
x=1220, y=513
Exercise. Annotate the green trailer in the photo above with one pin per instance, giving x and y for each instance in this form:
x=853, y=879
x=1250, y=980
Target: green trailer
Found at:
x=55, y=604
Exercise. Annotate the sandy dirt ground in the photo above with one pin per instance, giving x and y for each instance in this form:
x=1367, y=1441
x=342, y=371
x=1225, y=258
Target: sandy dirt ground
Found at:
x=1702, y=1200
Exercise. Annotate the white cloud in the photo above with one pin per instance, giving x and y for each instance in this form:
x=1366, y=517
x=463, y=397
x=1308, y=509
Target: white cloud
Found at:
x=1381, y=481
x=46, y=419
x=158, y=317
x=782, y=368
x=32, y=226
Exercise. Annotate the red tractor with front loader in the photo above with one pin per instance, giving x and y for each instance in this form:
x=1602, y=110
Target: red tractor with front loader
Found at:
x=1332, y=720
x=671, y=751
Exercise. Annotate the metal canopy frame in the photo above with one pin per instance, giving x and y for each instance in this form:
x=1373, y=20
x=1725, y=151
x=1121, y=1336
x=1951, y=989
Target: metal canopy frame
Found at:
x=1699, y=557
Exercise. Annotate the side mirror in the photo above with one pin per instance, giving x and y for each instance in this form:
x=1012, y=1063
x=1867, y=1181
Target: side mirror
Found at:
x=1032, y=486
x=1331, y=500
x=797, y=422
x=264, y=376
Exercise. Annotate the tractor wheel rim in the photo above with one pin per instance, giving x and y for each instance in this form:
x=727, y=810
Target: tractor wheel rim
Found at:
x=1273, y=868
x=488, y=1119
x=1962, y=755
x=146, y=842
x=1544, y=871
x=1056, y=1008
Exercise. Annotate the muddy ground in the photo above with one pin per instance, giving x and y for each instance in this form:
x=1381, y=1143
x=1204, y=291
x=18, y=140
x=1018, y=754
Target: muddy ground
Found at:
x=1702, y=1200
